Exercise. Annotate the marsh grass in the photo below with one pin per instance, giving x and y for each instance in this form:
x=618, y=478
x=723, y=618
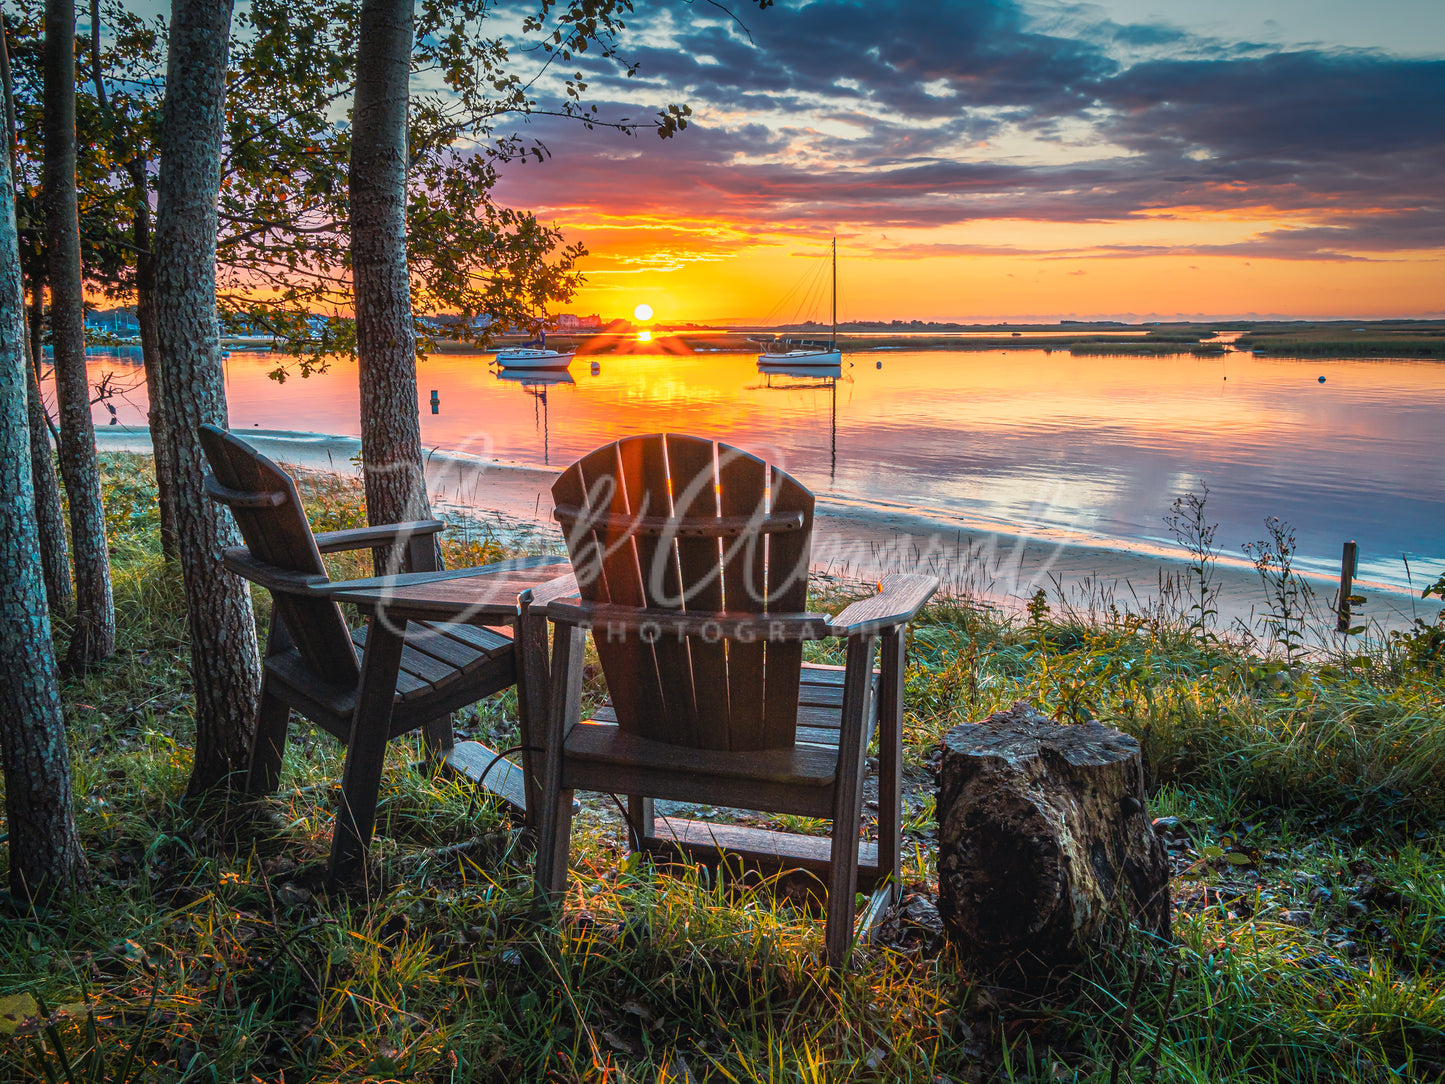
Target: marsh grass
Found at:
x=1409, y=339
x=1306, y=806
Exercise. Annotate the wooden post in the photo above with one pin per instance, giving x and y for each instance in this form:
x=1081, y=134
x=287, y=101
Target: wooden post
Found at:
x=1347, y=585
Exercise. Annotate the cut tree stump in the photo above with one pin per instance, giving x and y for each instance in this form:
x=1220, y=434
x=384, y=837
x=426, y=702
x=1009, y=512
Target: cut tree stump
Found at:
x=1045, y=847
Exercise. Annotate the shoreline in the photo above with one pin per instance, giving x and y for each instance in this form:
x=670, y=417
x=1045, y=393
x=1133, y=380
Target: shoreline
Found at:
x=857, y=544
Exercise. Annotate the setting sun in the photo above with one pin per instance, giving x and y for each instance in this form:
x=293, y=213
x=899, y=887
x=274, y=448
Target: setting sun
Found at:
x=643, y=312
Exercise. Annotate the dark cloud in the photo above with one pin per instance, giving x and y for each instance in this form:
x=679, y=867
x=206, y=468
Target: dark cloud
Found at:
x=866, y=113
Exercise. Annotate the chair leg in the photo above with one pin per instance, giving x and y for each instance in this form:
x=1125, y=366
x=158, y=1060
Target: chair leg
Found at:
x=641, y=820
x=268, y=745
x=842, y=888
x=890, y=768
x=564, y=703
x=553, y=847
x=438, y=738
x=848, y=801
x=365, y=752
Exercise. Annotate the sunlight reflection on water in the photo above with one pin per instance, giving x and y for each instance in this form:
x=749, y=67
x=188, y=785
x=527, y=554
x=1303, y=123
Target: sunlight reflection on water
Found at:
x=1097, y=447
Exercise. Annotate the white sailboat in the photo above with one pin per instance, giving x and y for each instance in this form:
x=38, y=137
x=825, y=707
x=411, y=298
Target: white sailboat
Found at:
x=804, y=353
x=534, y=355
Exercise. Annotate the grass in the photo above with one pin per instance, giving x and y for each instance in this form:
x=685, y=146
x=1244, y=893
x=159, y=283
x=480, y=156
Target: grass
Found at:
x=1408, y=339
x=1309, y=893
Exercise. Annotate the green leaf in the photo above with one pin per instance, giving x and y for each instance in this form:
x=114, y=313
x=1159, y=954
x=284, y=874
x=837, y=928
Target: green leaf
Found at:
x=14, y=1010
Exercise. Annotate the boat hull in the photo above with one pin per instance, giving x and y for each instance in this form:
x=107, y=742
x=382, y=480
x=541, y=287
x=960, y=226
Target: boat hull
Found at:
x=804, y=358
x=526, y=358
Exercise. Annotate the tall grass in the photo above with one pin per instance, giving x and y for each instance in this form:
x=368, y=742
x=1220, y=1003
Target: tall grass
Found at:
x=1309, y=910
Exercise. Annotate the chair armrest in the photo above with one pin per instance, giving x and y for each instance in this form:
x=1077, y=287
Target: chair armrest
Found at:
x=614, y=622
x=899, y=597
x=554, y=590
x=362, y=538
x=238, y=559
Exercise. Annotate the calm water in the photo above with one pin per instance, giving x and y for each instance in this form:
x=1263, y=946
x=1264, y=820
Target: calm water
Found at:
x=1088, y=448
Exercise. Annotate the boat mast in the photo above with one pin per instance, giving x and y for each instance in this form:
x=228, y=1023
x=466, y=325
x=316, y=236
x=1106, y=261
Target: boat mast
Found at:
x=833, y=342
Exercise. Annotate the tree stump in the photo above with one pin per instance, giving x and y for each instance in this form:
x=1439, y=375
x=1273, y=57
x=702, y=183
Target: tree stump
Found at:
x=1044, y=844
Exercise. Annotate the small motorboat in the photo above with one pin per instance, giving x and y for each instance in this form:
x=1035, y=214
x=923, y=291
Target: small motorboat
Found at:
x=534, y=355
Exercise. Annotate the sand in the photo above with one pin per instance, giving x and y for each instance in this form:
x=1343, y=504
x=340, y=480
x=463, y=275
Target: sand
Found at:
x=861, y=544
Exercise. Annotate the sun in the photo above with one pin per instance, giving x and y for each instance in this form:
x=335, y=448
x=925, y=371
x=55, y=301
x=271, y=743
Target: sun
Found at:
x=643, y=312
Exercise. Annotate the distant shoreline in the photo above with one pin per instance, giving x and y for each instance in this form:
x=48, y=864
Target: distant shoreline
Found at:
x=853, y=542
x=1381, y=339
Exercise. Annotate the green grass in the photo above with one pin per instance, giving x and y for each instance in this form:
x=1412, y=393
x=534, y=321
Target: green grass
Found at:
x=1309, y=897
x=1406, y=340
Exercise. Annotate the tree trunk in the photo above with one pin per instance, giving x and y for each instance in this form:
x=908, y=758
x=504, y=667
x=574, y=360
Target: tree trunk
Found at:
x=224, y=663
x=145, y=284
x=1044, y=843
x=45, y=855
x=94, y=637
x=145, y=315
x=49, y=513
x=385, y=339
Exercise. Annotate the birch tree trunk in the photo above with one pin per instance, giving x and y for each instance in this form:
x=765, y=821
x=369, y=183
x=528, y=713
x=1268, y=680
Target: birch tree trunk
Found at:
x=224, y=664
x=45, y=855
x=94, y=637
x=385, y=339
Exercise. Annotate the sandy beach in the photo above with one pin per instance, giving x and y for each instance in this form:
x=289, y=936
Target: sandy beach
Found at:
x=860, y=544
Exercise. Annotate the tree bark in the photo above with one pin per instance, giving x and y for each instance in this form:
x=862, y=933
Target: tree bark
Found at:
x=145, y=284
x=45, y=854
x=94, y=636
x=1044, y=844
x=224, y=663
x=385, y=339
x=145, y=315
x=49, y=513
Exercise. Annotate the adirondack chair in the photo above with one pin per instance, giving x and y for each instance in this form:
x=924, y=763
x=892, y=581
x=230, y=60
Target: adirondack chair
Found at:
x=311, y=662
x=691, y=561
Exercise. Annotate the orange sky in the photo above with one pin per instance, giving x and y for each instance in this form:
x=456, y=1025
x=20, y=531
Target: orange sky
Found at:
x=1015, y=160
x=879, y=280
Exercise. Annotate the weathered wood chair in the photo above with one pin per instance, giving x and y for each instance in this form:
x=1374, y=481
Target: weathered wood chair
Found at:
x=691, y=561
x=311, y=664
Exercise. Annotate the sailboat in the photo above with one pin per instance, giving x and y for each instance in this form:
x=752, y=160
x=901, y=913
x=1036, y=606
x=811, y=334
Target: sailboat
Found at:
x=534, y=355
x=794, y=352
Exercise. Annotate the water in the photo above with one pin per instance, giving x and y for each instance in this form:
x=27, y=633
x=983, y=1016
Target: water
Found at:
x=1091, y=449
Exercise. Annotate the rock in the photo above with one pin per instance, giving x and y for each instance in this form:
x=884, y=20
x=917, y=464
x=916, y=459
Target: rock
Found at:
x=1044, y=843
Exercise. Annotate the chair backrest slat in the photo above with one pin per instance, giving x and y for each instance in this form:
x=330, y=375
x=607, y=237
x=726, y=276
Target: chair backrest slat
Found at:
x=694, y=494
x=789, y=556
x=743, y=491
x=648, y=492
x=606, y=565
x=278, y=534
x=702, y=692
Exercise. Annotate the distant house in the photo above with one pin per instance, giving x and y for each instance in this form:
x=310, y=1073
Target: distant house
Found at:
x=568, y=322
x=120, y=322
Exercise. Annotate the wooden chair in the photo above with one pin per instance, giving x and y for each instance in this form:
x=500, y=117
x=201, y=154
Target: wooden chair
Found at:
x=691, y=561
x=311, y=663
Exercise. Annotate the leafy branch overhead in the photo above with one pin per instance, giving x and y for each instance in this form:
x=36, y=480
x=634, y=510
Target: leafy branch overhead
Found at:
x=282, y=249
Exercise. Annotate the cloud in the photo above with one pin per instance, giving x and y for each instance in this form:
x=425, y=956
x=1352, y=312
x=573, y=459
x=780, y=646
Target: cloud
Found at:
x=913, y=113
